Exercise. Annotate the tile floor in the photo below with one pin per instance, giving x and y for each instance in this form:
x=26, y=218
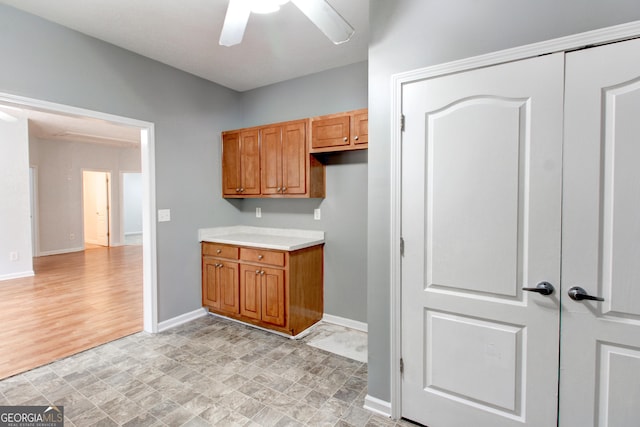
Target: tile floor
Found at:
x=208, y=372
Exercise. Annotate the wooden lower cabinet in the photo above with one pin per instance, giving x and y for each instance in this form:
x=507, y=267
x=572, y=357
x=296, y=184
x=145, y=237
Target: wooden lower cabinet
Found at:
x=279, y=290
x=219, y=285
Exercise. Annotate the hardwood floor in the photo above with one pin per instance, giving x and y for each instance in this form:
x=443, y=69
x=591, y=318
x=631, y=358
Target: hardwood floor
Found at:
x=74, y=302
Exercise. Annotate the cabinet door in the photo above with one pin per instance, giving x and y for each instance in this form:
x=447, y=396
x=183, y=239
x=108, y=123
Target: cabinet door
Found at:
x=271, y=159
x=227, y=275
x=249, y=163
x=360, y=129
x=231, y=180
x=210, y=283
x=294, y=158
x=332, y=132
x=250, y=291
x=273, y=296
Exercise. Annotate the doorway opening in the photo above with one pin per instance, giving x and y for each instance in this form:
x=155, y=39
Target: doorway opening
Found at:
x=24, y=106
x=96, y=202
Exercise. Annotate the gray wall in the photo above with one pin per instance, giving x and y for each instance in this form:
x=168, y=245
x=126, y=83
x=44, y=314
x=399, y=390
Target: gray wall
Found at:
x=45, y=61
x=410, y=34
x=344, y=208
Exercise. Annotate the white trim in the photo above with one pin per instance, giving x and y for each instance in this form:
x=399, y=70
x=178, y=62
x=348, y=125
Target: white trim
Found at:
x=28, y=273
x=563, y=44
x=147, y=154
x=343, y=321
x=62, y=251
x=182, y=319
x=379, y=406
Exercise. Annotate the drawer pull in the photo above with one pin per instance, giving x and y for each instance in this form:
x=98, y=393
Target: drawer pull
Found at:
x=218, y=251
x=260, y=256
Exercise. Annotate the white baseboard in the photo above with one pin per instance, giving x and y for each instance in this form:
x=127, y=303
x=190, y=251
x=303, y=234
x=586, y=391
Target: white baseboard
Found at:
x=343, y=321
x=18, y=275
x=179, y=320
x=61, y=251
x=378, y=406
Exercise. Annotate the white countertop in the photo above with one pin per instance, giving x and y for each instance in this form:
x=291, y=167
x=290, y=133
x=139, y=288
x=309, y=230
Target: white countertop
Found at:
x=286, y=239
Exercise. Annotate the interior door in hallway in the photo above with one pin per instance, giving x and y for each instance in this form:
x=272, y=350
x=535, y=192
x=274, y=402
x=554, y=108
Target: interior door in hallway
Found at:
x=600, y=347
x=96, y=202
x=481, y=196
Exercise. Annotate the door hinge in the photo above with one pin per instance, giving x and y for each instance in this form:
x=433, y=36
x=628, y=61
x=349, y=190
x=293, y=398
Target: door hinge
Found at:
x=401, y=365
x=401, y=246
x=402, y=123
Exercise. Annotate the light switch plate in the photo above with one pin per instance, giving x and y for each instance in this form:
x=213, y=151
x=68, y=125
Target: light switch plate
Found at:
x=164, y=215
x=316, y=214
x=258, y=212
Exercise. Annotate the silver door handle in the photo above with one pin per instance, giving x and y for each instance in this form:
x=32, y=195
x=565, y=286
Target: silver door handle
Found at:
x=543, y=288
x=578, y=294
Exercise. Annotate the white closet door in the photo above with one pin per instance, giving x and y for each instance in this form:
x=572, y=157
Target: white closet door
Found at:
x=481, y=199
x=600, y=348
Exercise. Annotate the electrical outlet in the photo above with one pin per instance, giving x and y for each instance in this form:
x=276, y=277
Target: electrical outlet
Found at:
x=316, y=214
x=258, y=212
x=13, y=256
x=164, y=215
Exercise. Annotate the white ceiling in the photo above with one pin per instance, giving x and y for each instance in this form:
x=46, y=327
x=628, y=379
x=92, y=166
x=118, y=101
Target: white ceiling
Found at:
x=184, y=34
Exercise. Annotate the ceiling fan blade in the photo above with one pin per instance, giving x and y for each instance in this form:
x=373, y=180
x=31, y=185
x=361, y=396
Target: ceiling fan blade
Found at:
x=235, y=22
x=327, y=19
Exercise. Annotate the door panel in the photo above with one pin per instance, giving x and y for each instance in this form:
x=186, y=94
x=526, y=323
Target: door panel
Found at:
x=271, y=158
x=250, y=291
x=228, y=283
x=294, y=153
x=481, y=185
x=600, y=351
x=273, y=296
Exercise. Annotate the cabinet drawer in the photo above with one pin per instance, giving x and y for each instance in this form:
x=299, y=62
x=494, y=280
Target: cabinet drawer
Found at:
x=263, y=256
x=222, y=251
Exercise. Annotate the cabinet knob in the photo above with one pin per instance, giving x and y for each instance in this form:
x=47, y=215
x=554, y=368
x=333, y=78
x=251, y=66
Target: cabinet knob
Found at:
x=257, y=271
x=241, y=189
x=279, y=189
x=356, y=137
x=262, y=273
x=345, y=139
x=284, y=189
x=237, y=189
x=218, y=251
x=260, y=256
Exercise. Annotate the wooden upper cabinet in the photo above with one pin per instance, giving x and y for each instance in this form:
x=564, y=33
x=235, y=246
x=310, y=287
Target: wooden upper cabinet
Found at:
x=340, y=132
x=240, y=163
x=360, y=128
x=294, y=158
x=284, y=158
x=271, y=161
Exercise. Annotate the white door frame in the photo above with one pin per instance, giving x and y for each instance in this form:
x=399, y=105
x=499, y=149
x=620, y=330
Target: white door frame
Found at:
x=600, y=36
x=147, y=155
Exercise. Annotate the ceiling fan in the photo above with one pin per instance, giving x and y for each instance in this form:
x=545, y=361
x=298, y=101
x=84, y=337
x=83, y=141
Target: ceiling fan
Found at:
x=321, y=13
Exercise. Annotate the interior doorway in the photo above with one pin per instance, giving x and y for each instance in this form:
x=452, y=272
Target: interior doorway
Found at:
x=147, y=153
x=96, y=200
